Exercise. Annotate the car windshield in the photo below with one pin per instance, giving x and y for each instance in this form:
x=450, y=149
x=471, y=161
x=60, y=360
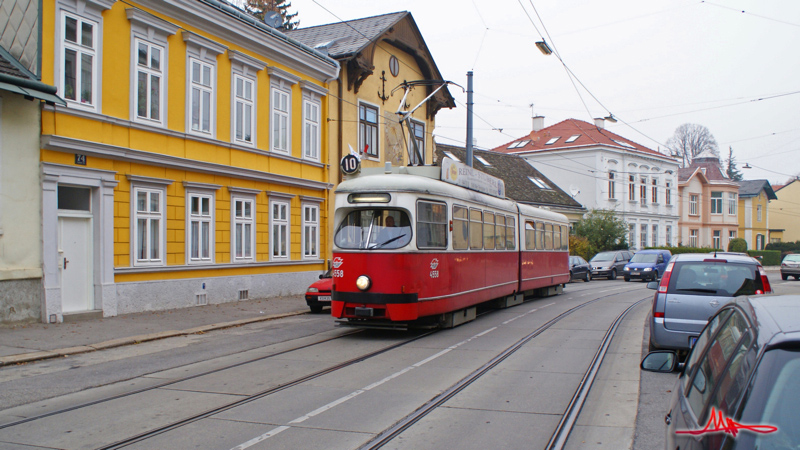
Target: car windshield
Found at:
x=715, y=278
x=373, y=229
x=774, y=400
x=649, y=258
x=793, y=258
x=605, y=256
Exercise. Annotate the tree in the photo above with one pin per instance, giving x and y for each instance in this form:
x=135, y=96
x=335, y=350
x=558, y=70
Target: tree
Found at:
x=689, y=141
x=260, y=8
x=731, y=171
x=603, y=229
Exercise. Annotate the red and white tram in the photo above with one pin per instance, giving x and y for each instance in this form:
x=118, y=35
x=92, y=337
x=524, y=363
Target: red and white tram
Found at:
x=409, y=247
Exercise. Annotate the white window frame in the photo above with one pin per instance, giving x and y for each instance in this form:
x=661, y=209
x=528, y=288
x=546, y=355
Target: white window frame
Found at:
x=632, y=234
x=247, y=120
x=154, y=32
x=284, y=224
x=203, y=52
x=150, y=73
x=643, y=190
x=632, y=188
x=668, y=193
x=80, y=50
x=759, y=213
x=643, y=235
x=668, y=235
x=244, y=68
x=281, y=83
x=693, y=203
x=311, y=129
x=377, y=147
x=148, y=185
x=205, y=101
x=201, y=191
x=654, y=193
x=733, y=201
x=693, y=238
x=243, y=196
x=716, y=239
x=716, y=203
x=655, y=235
x=417, y=132
x=310, y=229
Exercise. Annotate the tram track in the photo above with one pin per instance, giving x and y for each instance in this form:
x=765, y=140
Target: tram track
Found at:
x=564, y=428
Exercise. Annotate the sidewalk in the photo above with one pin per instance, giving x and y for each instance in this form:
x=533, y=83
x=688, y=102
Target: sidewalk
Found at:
x=36, y=341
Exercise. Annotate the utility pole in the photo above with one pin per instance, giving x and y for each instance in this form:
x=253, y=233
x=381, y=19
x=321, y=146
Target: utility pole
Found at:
x=469, y=118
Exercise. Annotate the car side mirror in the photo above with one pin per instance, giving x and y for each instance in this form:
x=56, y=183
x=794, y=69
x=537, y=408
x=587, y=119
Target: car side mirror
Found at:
x=652, y=285
x=321, y=276
x=660, y=361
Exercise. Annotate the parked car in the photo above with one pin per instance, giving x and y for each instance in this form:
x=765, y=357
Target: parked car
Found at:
x=610, y=264
x=745, y=366
x=647, y=265
x=790, y=266
x=319, y=293
x=579, y=269
x=694, y=287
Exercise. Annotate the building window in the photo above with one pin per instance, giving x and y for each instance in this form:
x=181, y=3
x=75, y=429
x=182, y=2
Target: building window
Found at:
x=310, y=231
x=692, y=238
x=643, y=190
x=79, y=61
x=632, y=189
x=311, y=130
x=279, y=229
x=668, y=235
x=693, y=204
x=643, y=235
x=201, y=98
x=668, y=193
x=244, y=227
x=243, y=109
x=632, y=234
x=611, y=193
x=758, y=212
x=716, y=240
x=759, y=242
x=716, y=203
x=655, y=235
x=732, y=201
x=149, y=81
x=148, y=226
x=731, y=235
x=417, y=137
x=280, y=120
x=200, y=227
x=655, y=191
x=368, y=130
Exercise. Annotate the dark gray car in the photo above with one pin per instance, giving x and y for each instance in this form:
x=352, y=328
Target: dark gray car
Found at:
x=744, y=369
x=610, y=264
x=693, y=288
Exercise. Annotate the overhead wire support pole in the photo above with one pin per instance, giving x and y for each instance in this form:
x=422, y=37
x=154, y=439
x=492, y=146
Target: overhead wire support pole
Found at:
x=469, y=118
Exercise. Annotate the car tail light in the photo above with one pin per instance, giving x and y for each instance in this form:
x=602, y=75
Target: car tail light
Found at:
x=662, y=287
x=764, y=282
x=658, y=314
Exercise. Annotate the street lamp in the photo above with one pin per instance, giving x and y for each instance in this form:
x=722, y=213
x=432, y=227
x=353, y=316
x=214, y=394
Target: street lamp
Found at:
x=544, y=48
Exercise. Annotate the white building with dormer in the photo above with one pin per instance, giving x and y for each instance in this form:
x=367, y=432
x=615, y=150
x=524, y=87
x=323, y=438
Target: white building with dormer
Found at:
x=603, y=170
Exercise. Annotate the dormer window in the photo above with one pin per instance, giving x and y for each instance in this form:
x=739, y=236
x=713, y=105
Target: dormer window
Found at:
x=539, y=183
x=573, y=138
x=552, y=141
x=483, y=161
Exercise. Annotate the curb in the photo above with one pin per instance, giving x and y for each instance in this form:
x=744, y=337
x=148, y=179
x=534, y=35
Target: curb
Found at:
x=40, y=355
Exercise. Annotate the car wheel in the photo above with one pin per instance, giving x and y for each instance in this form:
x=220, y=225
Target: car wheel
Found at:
x=655, y=276
x=650, y=346
x=627, y=278
x=785, y=277
x=588, y=277
x=316, y=309
x=796, y=277
x=570, y=275
x=613, y=275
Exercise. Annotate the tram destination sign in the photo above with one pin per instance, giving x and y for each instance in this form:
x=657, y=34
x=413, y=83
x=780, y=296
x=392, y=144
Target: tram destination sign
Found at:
x=460, y=174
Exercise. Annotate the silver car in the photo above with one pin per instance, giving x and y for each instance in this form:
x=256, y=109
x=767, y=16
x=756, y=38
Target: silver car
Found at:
x=790, y=266
x=693, y=288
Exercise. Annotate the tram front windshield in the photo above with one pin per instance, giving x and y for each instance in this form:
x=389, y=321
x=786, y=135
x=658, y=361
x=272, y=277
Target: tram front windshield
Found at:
x=372, y=229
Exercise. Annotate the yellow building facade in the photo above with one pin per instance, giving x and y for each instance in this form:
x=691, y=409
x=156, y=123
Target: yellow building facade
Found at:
x=754, y=220
x=191, y=163
x=785, y=212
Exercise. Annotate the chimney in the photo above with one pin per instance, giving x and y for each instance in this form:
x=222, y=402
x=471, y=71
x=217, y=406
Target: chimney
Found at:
x=538, y=123
x=600, y=123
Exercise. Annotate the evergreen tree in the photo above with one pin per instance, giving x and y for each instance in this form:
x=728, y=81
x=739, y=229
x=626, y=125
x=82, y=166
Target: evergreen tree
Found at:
x=731, y=171
x=260, y=8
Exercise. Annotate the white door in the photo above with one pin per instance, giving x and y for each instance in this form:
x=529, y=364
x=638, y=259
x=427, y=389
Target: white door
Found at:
x=75, y=263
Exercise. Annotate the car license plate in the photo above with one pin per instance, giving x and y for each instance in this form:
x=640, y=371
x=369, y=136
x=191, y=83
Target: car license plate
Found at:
x=692, y=340
x=323, y=298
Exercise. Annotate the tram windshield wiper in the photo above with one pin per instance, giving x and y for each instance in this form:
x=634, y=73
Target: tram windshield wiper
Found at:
x=387, y=242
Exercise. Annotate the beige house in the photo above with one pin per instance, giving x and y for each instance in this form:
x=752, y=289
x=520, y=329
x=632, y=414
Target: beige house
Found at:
x=708, y=204
x=785, y=213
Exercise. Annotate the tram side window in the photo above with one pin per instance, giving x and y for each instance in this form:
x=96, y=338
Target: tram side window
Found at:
x=500, y=232
x=539, y=236
x=460, y=228
x=548, y=236
x=510, y=233
x=564, y=237
x=488, y=230
x=475, y=229
x=556, y=237
x=431, y=225
x=530, y=236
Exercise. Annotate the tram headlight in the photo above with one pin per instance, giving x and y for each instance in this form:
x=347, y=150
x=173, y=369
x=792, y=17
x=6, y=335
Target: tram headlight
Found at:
x=363, y=282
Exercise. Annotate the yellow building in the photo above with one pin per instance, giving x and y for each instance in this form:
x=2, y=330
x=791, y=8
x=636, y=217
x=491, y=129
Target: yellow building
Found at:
x=377, y=55
x=189, y=166
x=785, y=212
x=754, y=226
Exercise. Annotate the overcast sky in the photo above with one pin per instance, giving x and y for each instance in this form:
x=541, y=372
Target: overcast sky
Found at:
x=653, y=64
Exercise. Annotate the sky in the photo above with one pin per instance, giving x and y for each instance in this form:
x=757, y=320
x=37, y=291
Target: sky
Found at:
x=729, y=65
